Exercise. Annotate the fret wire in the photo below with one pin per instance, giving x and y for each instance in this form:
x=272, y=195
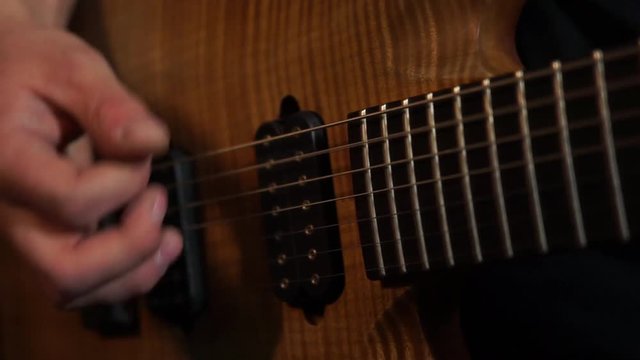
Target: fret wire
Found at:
x=391, y=196
x=496, y=176
x=370, y=197
x=565, y=146
x=439, y=193
x=466, y=181
x=532, y=182
x=415, y=202
x=611, y=162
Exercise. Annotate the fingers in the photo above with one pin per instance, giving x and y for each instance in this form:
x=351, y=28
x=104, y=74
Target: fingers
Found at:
x=108, y=254
x=81, y=82
x=140, y=280
x=79, y=265
x=40, y=178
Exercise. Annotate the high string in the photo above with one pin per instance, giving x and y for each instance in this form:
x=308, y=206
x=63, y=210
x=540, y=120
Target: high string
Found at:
x=609, y=56
x=533, y=134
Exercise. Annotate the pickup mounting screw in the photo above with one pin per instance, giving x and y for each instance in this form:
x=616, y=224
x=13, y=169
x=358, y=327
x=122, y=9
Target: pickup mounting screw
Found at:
x=302, y=179
x=275, y=210
x=272, y=187
x=281, y=259
x=299, y=156
x=306, y=205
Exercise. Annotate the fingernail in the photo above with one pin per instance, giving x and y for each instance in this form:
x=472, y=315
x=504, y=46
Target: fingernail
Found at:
x=169, y=249
x=158, y=208
x=146, y=131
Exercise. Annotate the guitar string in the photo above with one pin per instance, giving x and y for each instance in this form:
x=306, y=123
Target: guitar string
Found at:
x=566, y=67
x=535, y=104
x=544, y=132
x=450, y=205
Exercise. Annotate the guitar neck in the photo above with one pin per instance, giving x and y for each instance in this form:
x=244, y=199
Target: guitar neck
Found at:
x=517, y=165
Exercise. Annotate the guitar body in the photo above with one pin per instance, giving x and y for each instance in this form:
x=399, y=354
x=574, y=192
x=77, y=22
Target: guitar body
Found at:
x=215, y=71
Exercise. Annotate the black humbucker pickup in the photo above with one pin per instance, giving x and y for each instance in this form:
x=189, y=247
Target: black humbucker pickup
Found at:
x=300, y=225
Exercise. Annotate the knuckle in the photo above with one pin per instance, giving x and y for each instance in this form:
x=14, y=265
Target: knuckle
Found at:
x=73, y=210
x=82, y=65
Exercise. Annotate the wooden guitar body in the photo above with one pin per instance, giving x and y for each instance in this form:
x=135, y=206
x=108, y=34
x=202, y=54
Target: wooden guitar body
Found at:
x=216, y=70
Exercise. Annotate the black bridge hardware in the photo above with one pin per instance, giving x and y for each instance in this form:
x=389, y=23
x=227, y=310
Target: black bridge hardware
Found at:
x=301, y=247
x=180, y=294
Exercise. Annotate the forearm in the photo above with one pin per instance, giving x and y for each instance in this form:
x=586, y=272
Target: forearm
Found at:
x=49, y=13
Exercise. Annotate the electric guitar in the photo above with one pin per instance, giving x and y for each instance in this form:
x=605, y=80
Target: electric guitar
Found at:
x=336, y=154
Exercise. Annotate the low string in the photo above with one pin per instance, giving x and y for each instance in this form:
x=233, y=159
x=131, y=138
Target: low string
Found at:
x=610, y=56
x=534, y=134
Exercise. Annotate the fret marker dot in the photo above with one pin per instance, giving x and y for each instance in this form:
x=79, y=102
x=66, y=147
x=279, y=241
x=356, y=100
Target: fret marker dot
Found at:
x=315, y=279
x=308, y=230
x=284, y=283
x=313, y=254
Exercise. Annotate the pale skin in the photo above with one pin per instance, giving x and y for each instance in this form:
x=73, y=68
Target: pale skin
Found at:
x=61, y=105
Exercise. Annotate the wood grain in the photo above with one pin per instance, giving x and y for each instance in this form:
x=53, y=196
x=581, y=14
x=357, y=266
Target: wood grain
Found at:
x=215, y=70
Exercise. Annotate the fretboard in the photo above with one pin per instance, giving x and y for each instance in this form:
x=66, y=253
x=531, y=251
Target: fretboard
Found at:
x=517, y=165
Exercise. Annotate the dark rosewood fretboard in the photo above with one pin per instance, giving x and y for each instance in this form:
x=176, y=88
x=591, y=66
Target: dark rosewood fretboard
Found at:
x=521, y=164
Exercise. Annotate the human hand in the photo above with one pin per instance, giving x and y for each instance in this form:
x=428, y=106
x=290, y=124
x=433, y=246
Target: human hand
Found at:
x=53, y=88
